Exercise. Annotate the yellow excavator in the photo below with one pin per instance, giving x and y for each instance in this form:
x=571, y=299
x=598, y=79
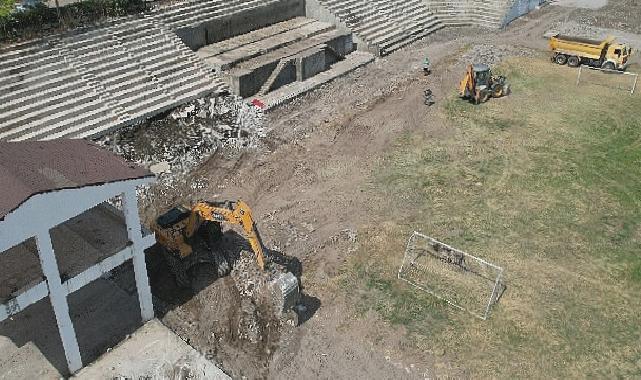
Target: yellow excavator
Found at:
x=479, y=84
x=189, y=239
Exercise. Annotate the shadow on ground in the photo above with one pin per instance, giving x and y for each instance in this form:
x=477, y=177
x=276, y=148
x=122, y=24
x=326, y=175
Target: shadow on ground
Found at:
x=103, y=315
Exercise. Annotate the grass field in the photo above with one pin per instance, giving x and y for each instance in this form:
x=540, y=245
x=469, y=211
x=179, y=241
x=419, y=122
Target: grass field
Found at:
x=547, y=184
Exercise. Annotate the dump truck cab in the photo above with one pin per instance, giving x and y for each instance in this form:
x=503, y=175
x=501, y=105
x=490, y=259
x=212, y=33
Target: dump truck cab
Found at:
x=617, y=55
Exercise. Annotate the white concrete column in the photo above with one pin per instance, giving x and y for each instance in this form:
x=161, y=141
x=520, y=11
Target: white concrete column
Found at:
x=58, y=297
x=130, y=205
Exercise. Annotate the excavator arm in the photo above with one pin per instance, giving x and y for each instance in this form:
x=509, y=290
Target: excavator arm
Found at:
x=231, y=212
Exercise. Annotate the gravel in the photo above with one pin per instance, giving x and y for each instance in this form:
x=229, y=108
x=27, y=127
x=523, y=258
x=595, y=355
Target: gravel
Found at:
x=494, y=54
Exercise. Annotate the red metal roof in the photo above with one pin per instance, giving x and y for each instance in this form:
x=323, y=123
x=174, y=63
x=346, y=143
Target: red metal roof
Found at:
x=33, y=167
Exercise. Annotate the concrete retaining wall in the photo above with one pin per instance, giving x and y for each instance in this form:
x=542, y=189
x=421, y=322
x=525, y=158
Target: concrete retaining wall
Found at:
x=311, y=63
x=286, y=76
x=520, y=8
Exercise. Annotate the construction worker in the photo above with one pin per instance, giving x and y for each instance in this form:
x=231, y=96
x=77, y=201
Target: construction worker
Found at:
x=428, y=97
x=426, y=66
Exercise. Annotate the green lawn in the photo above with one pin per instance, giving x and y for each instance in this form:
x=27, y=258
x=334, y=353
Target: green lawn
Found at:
x=547, y=184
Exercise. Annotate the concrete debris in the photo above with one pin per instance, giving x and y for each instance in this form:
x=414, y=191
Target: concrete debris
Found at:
x=285, y=292
x=278, y=287
x=346, y=240
x=183, y=370
x=249, y=280
x=161, y=167
x=174, y=145
x=494, y=54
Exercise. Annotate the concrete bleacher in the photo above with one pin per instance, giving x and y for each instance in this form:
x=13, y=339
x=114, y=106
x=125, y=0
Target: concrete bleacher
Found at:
x=87, y=83
x=483, y=13
x=264, y=60
x=380, y=26
x=91, y=82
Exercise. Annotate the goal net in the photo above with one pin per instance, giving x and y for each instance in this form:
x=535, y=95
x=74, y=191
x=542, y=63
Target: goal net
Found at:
x=618, y=80
x=462, y=280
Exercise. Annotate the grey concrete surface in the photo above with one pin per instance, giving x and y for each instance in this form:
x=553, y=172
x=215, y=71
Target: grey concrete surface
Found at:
x=152, y=352
x=248, y=77
x=288, y=92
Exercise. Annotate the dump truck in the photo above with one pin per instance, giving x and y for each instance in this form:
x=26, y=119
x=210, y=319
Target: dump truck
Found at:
x=575, y=51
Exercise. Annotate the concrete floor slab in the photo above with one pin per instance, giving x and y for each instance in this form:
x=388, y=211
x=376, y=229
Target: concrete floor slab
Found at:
x=152, y=352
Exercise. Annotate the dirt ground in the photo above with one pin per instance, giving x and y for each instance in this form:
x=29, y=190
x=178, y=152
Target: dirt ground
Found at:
x=310, y=186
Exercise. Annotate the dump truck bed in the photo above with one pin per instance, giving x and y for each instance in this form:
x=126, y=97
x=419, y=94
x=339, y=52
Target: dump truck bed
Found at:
x=580, y=40
x=578, y=46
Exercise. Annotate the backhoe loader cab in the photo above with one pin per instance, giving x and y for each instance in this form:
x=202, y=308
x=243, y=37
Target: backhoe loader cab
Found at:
x=482, y=73
x=479, y=84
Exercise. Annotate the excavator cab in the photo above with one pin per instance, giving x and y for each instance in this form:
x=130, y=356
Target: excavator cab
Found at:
x=173, y=216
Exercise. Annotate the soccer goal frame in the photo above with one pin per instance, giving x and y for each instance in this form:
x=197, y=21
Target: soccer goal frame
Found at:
x=458, y=260
x=634, y=76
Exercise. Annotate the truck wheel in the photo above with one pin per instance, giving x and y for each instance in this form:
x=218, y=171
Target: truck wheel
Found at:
x=573, y=61
x=561, y=59
x=609, y=66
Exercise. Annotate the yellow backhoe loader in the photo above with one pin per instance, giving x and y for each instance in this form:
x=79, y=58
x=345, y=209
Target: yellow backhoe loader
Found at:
x=479, y=84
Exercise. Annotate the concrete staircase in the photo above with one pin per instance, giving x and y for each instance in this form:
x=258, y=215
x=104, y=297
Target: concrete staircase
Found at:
x=483, y=13
x=381, y=26
x=87, y=84
x=263, y=60
x=202, y=22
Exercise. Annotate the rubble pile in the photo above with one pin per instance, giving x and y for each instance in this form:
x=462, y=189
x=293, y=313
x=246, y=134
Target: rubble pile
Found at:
x=623, y=15
x=494, y=54
x=250, y=280
x=251, y=284
x=178, y=142
x=232, y=319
